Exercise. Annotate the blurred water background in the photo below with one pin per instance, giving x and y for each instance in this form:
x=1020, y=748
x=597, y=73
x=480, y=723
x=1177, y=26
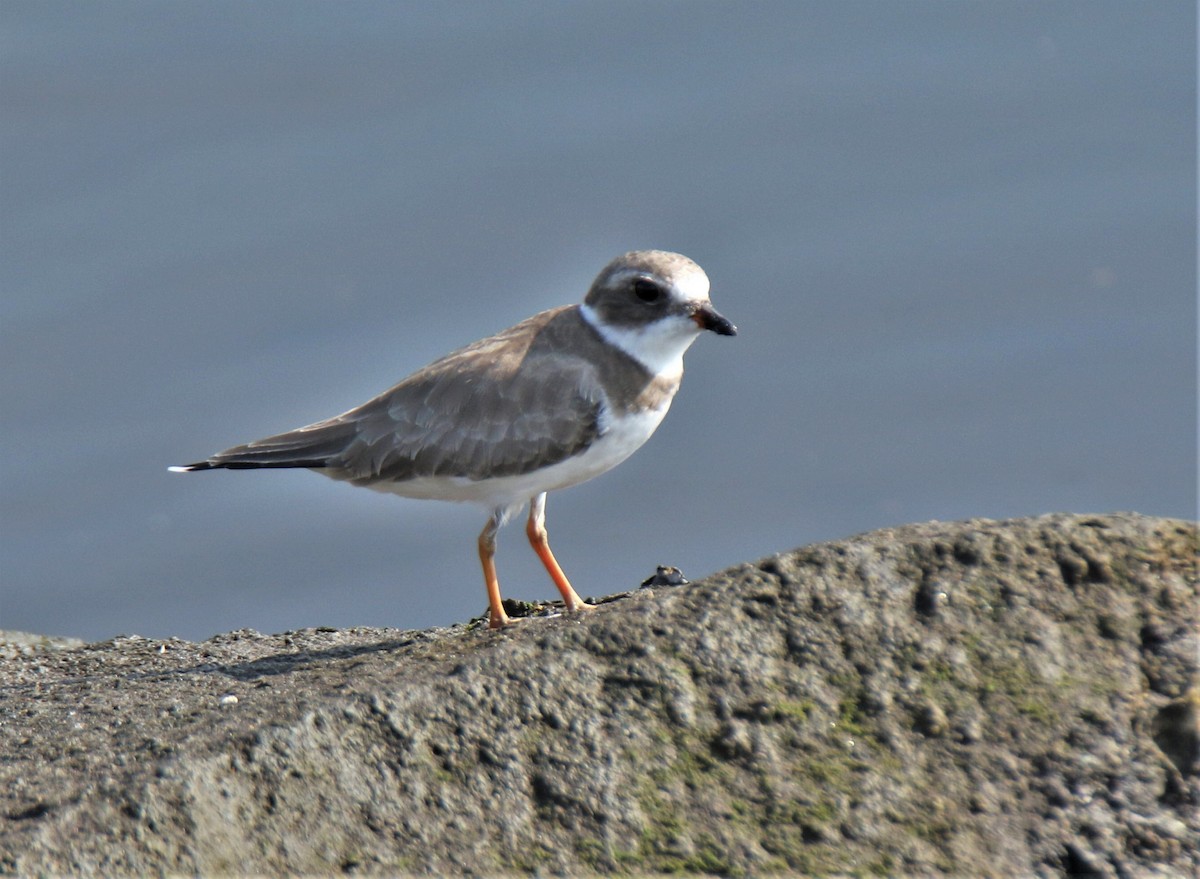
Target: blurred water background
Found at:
x=959, y=240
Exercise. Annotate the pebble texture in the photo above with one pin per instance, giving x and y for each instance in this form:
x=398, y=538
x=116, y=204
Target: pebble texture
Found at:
x=977, y=698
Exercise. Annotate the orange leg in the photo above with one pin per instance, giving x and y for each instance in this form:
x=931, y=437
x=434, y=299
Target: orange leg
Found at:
x=535, y=529
x=497, y=618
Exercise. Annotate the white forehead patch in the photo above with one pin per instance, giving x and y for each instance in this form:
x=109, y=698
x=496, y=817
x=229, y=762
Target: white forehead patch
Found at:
x=693, y=284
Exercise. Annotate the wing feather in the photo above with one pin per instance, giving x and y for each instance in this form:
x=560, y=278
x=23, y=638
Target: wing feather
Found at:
x=446, y=422
x=503, y=406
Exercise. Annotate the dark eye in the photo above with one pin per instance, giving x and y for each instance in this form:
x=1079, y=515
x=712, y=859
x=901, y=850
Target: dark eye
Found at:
x=646, y=290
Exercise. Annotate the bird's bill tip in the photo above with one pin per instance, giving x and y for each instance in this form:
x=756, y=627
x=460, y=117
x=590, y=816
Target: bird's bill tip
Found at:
x=708, y=318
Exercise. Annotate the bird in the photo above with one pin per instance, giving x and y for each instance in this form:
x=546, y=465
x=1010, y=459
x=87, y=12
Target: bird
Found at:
x=551, y=402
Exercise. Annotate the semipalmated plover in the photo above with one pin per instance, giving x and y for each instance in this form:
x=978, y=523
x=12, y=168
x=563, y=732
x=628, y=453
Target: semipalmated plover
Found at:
x=551, y=402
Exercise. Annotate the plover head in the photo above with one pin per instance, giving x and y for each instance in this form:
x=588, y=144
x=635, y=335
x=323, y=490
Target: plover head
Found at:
x=652, y=304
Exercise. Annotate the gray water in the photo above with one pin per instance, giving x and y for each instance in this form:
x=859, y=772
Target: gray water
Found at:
x=958, y=240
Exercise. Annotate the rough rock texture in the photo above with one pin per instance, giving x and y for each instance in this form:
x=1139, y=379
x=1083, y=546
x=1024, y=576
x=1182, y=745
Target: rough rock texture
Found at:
x=25, y=644
x=982, y=698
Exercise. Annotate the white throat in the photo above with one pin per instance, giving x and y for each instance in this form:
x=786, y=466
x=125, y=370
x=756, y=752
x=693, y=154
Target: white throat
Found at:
x=658, y=346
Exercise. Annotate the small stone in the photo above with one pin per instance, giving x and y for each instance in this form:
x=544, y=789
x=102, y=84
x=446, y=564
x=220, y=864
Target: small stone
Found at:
x=1177, y=731
x=734, y=740
x=931, y=719
x=666, y=575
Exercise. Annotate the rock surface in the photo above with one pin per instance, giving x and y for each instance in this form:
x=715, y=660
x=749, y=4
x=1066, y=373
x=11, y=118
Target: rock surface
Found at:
x=983, y=698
